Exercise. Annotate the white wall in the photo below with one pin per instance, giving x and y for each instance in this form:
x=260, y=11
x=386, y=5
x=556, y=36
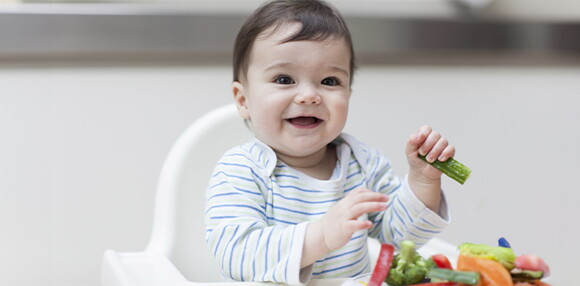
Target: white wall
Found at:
x=81, y=148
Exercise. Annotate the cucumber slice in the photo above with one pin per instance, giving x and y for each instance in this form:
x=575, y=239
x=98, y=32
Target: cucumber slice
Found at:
x=452, y=168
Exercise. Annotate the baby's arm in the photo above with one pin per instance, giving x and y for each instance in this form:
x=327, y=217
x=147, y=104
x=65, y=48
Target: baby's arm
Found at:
x=337, y=226
x=237, y=229
x=424, y=179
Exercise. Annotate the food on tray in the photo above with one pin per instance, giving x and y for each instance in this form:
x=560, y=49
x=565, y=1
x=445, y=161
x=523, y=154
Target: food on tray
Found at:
x=492, y=272
x=477, y=264
x=383, y=265
x=451, y=275
x=532, y=263
x=408, y=266
x=503, y=255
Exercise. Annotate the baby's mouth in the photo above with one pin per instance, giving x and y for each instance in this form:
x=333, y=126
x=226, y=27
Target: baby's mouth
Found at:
x=304, y=121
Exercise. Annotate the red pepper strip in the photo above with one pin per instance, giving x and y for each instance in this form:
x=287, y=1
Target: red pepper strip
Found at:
x=441, y=261
x=383, y=265
x=436, y=284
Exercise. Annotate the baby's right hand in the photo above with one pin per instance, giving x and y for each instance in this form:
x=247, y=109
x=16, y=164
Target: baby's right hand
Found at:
x=341, y=221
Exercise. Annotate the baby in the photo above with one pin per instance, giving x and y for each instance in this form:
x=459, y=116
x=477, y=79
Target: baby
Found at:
x=300, y=200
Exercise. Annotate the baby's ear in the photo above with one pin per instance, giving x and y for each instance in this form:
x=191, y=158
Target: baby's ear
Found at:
x=240, y=99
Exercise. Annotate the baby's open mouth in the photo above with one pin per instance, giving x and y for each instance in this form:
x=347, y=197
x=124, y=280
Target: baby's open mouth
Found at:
x=304, y=121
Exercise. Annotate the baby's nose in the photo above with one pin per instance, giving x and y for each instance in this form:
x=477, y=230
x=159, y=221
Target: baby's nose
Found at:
x=308, y=97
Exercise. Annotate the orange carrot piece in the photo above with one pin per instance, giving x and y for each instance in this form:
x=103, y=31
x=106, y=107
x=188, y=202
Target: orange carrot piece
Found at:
x=492, y=272
x=535, y=283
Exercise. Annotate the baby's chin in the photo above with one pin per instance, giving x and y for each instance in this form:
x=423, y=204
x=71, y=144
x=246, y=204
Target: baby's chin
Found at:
x=301, y=151
x=299, y=143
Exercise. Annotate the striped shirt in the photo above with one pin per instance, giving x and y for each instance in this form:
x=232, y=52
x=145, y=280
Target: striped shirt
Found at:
x=257, y=209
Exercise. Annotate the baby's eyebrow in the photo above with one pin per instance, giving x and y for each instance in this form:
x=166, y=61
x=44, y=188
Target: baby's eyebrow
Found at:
x=341, y=70
x=288, y=65
x=280, y=66
x=283, y=65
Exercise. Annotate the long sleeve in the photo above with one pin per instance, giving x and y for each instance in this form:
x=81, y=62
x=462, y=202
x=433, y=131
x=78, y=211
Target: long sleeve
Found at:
x=237, y=228
x=406, y=217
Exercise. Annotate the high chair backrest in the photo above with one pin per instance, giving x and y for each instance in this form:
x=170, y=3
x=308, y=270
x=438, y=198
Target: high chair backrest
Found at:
x=178, y=224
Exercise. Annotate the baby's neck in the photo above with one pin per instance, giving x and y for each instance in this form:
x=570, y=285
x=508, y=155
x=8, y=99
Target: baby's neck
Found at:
x=319, y=165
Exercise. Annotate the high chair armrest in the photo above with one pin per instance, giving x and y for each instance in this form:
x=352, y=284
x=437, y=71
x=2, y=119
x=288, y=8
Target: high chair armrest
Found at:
x=151, y=269
x=139, y=268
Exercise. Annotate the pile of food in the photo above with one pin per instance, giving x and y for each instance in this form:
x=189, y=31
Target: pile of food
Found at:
x=478, y=264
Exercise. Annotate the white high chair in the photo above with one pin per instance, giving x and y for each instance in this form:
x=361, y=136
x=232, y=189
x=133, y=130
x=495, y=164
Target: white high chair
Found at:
x=177, y=253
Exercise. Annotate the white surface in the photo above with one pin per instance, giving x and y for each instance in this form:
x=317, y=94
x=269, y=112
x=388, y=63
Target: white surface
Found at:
x=81, y=150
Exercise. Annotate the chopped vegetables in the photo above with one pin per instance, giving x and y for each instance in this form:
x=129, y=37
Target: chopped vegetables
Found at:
x=452, y=168
x=436, y=284
x=408, y=266
x=492, y=272
x=467, y=277
x=535, y=283
x=478, y=264
x=441, y=261
x=503, y=255
x=383, y=265
x=532, y=262
x=519, y=275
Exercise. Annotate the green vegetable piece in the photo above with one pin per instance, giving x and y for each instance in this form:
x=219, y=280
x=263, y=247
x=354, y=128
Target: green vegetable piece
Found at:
x=467, y=277
x=503, y=255
x=452, y=168
x=408, y=266
x=429, y=263
x=526, y=275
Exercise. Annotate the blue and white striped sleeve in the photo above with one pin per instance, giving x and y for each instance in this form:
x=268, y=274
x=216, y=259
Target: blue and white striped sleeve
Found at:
x=237, y=229
x=406, y=217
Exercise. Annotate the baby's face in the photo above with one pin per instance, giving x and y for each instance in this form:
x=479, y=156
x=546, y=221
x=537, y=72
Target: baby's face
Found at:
x=296, y=94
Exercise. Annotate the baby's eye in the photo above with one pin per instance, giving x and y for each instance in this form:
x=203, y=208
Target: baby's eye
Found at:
x=283, y=80
x=331, y=81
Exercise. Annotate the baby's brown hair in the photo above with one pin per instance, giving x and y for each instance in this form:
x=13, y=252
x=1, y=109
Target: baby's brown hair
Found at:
x=318, y=20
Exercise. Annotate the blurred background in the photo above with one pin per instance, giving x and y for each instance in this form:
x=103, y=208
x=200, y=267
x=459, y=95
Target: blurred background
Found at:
x=93, y=94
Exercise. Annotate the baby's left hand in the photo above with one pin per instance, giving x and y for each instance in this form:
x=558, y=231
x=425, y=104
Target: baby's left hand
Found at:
x=432, y=144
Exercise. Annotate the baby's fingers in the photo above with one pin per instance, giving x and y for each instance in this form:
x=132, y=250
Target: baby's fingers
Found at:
x=366, y=207
x=437, y=149
x=360, y=195
x=353, y=226
x=447, y=153
x=417, y=139
x=430, y=143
